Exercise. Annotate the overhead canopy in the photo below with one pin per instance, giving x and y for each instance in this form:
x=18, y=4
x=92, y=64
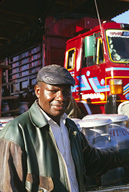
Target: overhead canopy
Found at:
x=22, y=21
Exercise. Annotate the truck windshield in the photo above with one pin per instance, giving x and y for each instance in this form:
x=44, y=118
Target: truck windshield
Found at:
x=118, y=45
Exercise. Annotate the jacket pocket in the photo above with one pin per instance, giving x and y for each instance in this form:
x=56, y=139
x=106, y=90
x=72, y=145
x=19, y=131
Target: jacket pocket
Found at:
x=41, y=184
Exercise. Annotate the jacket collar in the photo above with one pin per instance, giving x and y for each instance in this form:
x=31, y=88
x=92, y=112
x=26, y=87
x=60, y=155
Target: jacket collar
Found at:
x=38, y=119
x=71, y=127
x=36, y=116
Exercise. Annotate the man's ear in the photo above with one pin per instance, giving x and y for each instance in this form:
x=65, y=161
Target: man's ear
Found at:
x=37, y=90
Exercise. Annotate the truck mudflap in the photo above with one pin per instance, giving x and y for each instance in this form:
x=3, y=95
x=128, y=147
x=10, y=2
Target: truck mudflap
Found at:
x=111, y=105
x=113, y=189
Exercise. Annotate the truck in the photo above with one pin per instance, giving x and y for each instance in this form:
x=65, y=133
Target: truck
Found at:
x=96, y=54
x=98, y=59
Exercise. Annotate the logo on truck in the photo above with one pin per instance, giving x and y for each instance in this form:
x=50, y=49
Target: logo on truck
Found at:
x=93, y=84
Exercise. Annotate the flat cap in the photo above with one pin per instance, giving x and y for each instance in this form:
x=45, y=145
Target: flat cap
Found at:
x=55, y=74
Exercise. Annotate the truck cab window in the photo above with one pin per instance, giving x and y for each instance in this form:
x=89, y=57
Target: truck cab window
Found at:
x=89, y=50
x=100, y=52
x=86, y=61
x=71, y=59
x=118, y=43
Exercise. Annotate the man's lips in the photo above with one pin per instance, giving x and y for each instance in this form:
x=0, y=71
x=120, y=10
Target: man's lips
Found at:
x=59, y=107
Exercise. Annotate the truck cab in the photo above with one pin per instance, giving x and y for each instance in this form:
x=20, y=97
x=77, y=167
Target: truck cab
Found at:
x=98, y=60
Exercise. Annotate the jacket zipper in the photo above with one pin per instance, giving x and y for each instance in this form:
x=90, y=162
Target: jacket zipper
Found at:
x=53, y=138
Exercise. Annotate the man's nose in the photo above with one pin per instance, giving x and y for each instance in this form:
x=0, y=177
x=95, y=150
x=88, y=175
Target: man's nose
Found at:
x=60, y=95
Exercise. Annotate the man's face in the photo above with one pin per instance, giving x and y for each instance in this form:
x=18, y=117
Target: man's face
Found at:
x=53, y=99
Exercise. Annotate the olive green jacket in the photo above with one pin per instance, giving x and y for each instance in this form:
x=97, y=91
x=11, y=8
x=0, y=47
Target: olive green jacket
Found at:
x=31, y=161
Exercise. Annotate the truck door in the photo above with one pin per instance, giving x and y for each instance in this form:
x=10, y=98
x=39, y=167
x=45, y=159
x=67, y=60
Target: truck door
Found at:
x=92, y=85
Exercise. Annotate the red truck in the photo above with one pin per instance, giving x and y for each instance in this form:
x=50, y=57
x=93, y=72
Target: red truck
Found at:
x=98, y=59
x=97, y=56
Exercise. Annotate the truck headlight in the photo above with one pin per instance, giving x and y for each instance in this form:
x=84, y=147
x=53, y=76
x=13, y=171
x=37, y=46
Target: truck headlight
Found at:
x=116, y=86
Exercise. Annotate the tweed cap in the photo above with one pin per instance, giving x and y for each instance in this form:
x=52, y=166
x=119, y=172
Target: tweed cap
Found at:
x=55, y=74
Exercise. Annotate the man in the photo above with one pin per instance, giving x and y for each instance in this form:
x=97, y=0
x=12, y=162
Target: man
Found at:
x=43, y=150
